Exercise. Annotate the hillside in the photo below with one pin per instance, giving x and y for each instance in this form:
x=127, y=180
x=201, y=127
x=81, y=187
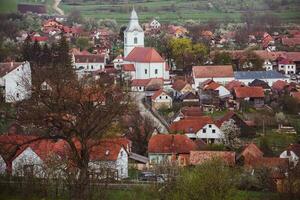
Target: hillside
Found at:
x=175, y=10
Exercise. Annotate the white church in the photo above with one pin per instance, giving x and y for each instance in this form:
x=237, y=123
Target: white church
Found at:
x=145, y=62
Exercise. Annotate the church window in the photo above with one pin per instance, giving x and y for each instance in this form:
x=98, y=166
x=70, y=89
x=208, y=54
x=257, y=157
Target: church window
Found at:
x=146, y=71
x=156, y=71
x=135, y=40
x=125, y=39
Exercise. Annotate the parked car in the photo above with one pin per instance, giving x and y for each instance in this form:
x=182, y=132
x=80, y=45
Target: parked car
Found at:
x=150, y=176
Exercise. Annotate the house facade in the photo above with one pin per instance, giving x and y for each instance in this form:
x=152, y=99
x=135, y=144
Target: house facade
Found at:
x=160, y=99
x=292, y=153
x=15, y=81
x=2, y=165
x=221, y=74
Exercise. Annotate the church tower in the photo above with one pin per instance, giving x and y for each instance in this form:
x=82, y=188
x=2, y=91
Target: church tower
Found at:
x=133, y=35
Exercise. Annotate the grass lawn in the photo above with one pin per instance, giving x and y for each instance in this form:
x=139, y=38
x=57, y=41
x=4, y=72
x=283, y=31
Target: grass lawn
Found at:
x=141, y=193
x=277, y=141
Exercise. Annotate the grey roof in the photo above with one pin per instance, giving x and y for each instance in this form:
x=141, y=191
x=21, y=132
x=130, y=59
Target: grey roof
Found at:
x=259, y=75
x=139, y=158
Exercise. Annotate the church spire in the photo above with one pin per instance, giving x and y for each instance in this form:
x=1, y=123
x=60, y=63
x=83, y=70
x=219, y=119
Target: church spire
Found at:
x=134, y=22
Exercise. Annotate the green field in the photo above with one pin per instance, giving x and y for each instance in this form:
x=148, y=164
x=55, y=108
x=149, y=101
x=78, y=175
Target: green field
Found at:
x=170, y=10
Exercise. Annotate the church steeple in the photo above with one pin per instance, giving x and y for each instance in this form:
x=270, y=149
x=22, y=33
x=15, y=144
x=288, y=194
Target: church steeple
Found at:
x=134, y=34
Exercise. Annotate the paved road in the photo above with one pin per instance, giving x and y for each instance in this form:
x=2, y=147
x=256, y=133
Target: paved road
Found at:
x=138, y=96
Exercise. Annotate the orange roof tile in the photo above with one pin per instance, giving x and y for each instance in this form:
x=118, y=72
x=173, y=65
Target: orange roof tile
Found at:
x=179, y=84
x=170, y=143
x=279, y=85
x=213, y=71
x=252, y=92
x=128, y=67
x=144, y=54
x=191, y=125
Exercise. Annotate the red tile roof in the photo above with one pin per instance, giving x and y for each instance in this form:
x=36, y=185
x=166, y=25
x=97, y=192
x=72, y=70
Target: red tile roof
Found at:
x=279, y=85
x=128, y=67
x=267, y=39
x=90, y=58
x=191, y=125
x=252, y=92
x=285, y=61
x=270, y=162
x=157, y=93
x=291, y=41
x=232, y=84
x=266, y=55
x=179, y=84
x=7, y=67
x=200, y=157
x=252, y=150
x=144, y=55
x=191, y=111
x=214, y=71
x=211, y=86
x=39, y=38
x=140, y=82
x=296, y=95
x=170, y=143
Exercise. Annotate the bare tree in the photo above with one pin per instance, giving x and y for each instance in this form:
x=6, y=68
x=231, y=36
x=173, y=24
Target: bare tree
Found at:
x=77, y=111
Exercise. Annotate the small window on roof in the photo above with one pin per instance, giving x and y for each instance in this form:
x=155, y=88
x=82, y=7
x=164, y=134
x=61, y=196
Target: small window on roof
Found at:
x=107, y=152
x=204, y=130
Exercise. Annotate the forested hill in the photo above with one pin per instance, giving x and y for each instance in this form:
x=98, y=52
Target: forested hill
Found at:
x=173, y=10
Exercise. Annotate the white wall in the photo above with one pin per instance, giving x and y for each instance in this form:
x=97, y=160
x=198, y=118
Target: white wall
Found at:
x=223, y=91
x=129, y=41
x=90, y=67
x=288, y=69
x=209, y=132
x=2, y=165
x=27, y=157
x=17, y=83
x=122, y=164
x=293, y=158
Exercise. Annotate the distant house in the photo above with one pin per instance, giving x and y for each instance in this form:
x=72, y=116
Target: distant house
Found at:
x=286, y=66
x=202, y=127
x=188, y=112
x=260, y=83
x=154, y=24
x=87, y=62
x=267, y=76
x=253, y=95
x=160, y=99
x=291, y=42
x=177, y=31
x=15, y=81
x=33, y=8
x=292, y=153
x=245, y=129
x=190, y=98
x=128, y=71
x=140, y=85
x=181, y=87
x=168, y=148
x=279, y=86
x=222, y=91
x=220, y=74
x=118, y=61
x=200, y=157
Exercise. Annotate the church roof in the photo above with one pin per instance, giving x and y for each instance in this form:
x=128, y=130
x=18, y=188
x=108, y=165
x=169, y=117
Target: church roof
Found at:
x=134, y=23
x=144, y=55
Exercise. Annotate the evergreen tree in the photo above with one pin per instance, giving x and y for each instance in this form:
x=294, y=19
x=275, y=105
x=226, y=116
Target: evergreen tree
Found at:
x=36, y=53
x=26, y=50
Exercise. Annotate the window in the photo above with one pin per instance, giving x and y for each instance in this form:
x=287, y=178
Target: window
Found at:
x=135, y=40
x=140, y=88
x=92, y=67
x=160, y=97
x=204, y=130
x=18, y=95
x=156, y=71
x=146, y=71
x=125, y=40
x=121, y=153
x=166, y=97
x=209, y=126
x=213, y=131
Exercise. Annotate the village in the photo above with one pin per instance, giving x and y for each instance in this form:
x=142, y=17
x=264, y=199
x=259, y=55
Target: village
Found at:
x=102, y=106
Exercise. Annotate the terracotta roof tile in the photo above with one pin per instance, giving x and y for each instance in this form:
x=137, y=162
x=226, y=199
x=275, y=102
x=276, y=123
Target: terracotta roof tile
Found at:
x=200, y=157
x=296, y=95
x=170, y=143
x=128, y=67
x=5, y=68
x=279, y=85
x=191, y=111
x=214, y=71
x=232, y=84
x=191, y=125
x=144, y=55
x=179, y=84
x=252, y=92
x=90, y=58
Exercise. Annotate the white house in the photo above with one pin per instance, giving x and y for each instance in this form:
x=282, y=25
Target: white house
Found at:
x=28, y=163
x=133, y=35
x=287, y=66
x=219, y=73
x=161, y=99
x=154, y=24
x=89, y=62
x=2, y=165
x=292, y=153
x=109, y=155
x=118, y=61
x=148, y=64
x=222, y=91
x=269, y=77
x=15, y=81
x=267, y=65
x=202, y=127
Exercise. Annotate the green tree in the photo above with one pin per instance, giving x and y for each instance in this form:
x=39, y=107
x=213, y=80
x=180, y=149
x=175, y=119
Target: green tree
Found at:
x=222, y=58
x=212, y=180
x=83, y=43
